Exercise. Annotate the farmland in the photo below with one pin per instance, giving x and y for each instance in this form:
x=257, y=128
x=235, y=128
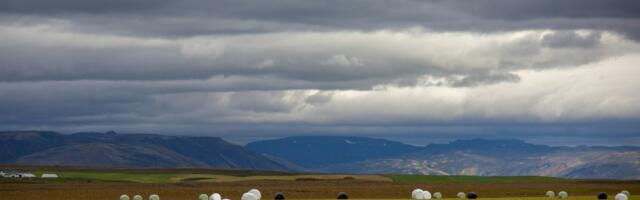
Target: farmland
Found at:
x=178, y=184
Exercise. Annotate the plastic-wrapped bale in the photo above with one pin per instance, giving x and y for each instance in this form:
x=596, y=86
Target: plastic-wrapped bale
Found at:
x=249, y=196
x=626, y=193
x=472, y=195
x=417, y=194
x=279, y=196
x=427, y=194
x=256, y=193
x=461, y=195
x=343, y=195
x=551, y=194
x=437, y=195
x=137, y=197
x=602, y=196
x=621, y=196
x=203, y=197
x=154, y=197
x=124, y=197
x=563, y=195
x=215, y=196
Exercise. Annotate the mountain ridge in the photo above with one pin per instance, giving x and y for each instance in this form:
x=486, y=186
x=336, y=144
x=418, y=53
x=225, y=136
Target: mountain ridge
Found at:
x=141, y=150
x=484, y=157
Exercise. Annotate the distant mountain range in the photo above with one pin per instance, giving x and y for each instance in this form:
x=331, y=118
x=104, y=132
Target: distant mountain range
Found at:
x=461, y=157
x=333, y=154
x=142, y=150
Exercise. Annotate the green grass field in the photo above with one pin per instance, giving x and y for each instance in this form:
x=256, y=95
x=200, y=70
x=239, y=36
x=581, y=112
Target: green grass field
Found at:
x=181, y=177
x=122, y=177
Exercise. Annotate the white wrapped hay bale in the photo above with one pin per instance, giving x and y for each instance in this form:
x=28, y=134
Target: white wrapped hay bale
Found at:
x=621, y=196
x=215, y=196
x=248, y=196
x=203, y=197
x=154, y=197
x=427, y=194
x=563, y=195
x=461, y=195
x=124, y=197
x=256, y=193
x=551, y=194
x=626, y=193
x=437, y=195
x=137, y=197
x=417, y=194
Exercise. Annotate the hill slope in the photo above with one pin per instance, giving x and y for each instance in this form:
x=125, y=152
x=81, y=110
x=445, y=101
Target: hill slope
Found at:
x=503, y=159
x=460, y=157
x=318, y=151
x=110, y=149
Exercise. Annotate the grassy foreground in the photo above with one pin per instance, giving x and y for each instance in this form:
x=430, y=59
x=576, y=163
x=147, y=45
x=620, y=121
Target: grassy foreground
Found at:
x=185, y=184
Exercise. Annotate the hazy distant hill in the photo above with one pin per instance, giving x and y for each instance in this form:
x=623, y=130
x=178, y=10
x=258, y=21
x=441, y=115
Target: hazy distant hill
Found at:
x=460, y=157
x=319, y=151
x=110, y=149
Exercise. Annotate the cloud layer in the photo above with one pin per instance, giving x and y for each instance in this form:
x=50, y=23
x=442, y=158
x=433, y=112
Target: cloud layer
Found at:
x=247, y=69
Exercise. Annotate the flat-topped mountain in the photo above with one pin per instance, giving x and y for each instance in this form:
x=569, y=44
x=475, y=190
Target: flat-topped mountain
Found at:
x=318, y=151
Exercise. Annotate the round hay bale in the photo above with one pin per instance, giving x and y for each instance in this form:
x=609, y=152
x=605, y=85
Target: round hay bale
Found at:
x=124, y=197
x=472, y=195
x=343, y=195
x=621, y=196
x=279, y=196
x=551, y=194
x=248, y=196
x=417, y=194
x=437, y=195
x=203, y=197
x=563, y=195
x=602, y=195
x=427, y=194
x=215, y=196
x=461, y=195
x=626, y=193
x=154, y=197
x=256, y=193
x=137, y=197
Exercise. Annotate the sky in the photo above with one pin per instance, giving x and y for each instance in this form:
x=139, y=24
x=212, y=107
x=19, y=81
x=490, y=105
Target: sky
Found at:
x=418, y=71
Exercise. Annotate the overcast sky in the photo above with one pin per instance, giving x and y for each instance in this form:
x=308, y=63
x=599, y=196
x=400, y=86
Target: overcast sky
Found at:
x=418, y=71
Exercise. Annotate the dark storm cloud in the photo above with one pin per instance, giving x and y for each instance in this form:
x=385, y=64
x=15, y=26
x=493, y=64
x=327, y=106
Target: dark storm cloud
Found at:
x=196, y=17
